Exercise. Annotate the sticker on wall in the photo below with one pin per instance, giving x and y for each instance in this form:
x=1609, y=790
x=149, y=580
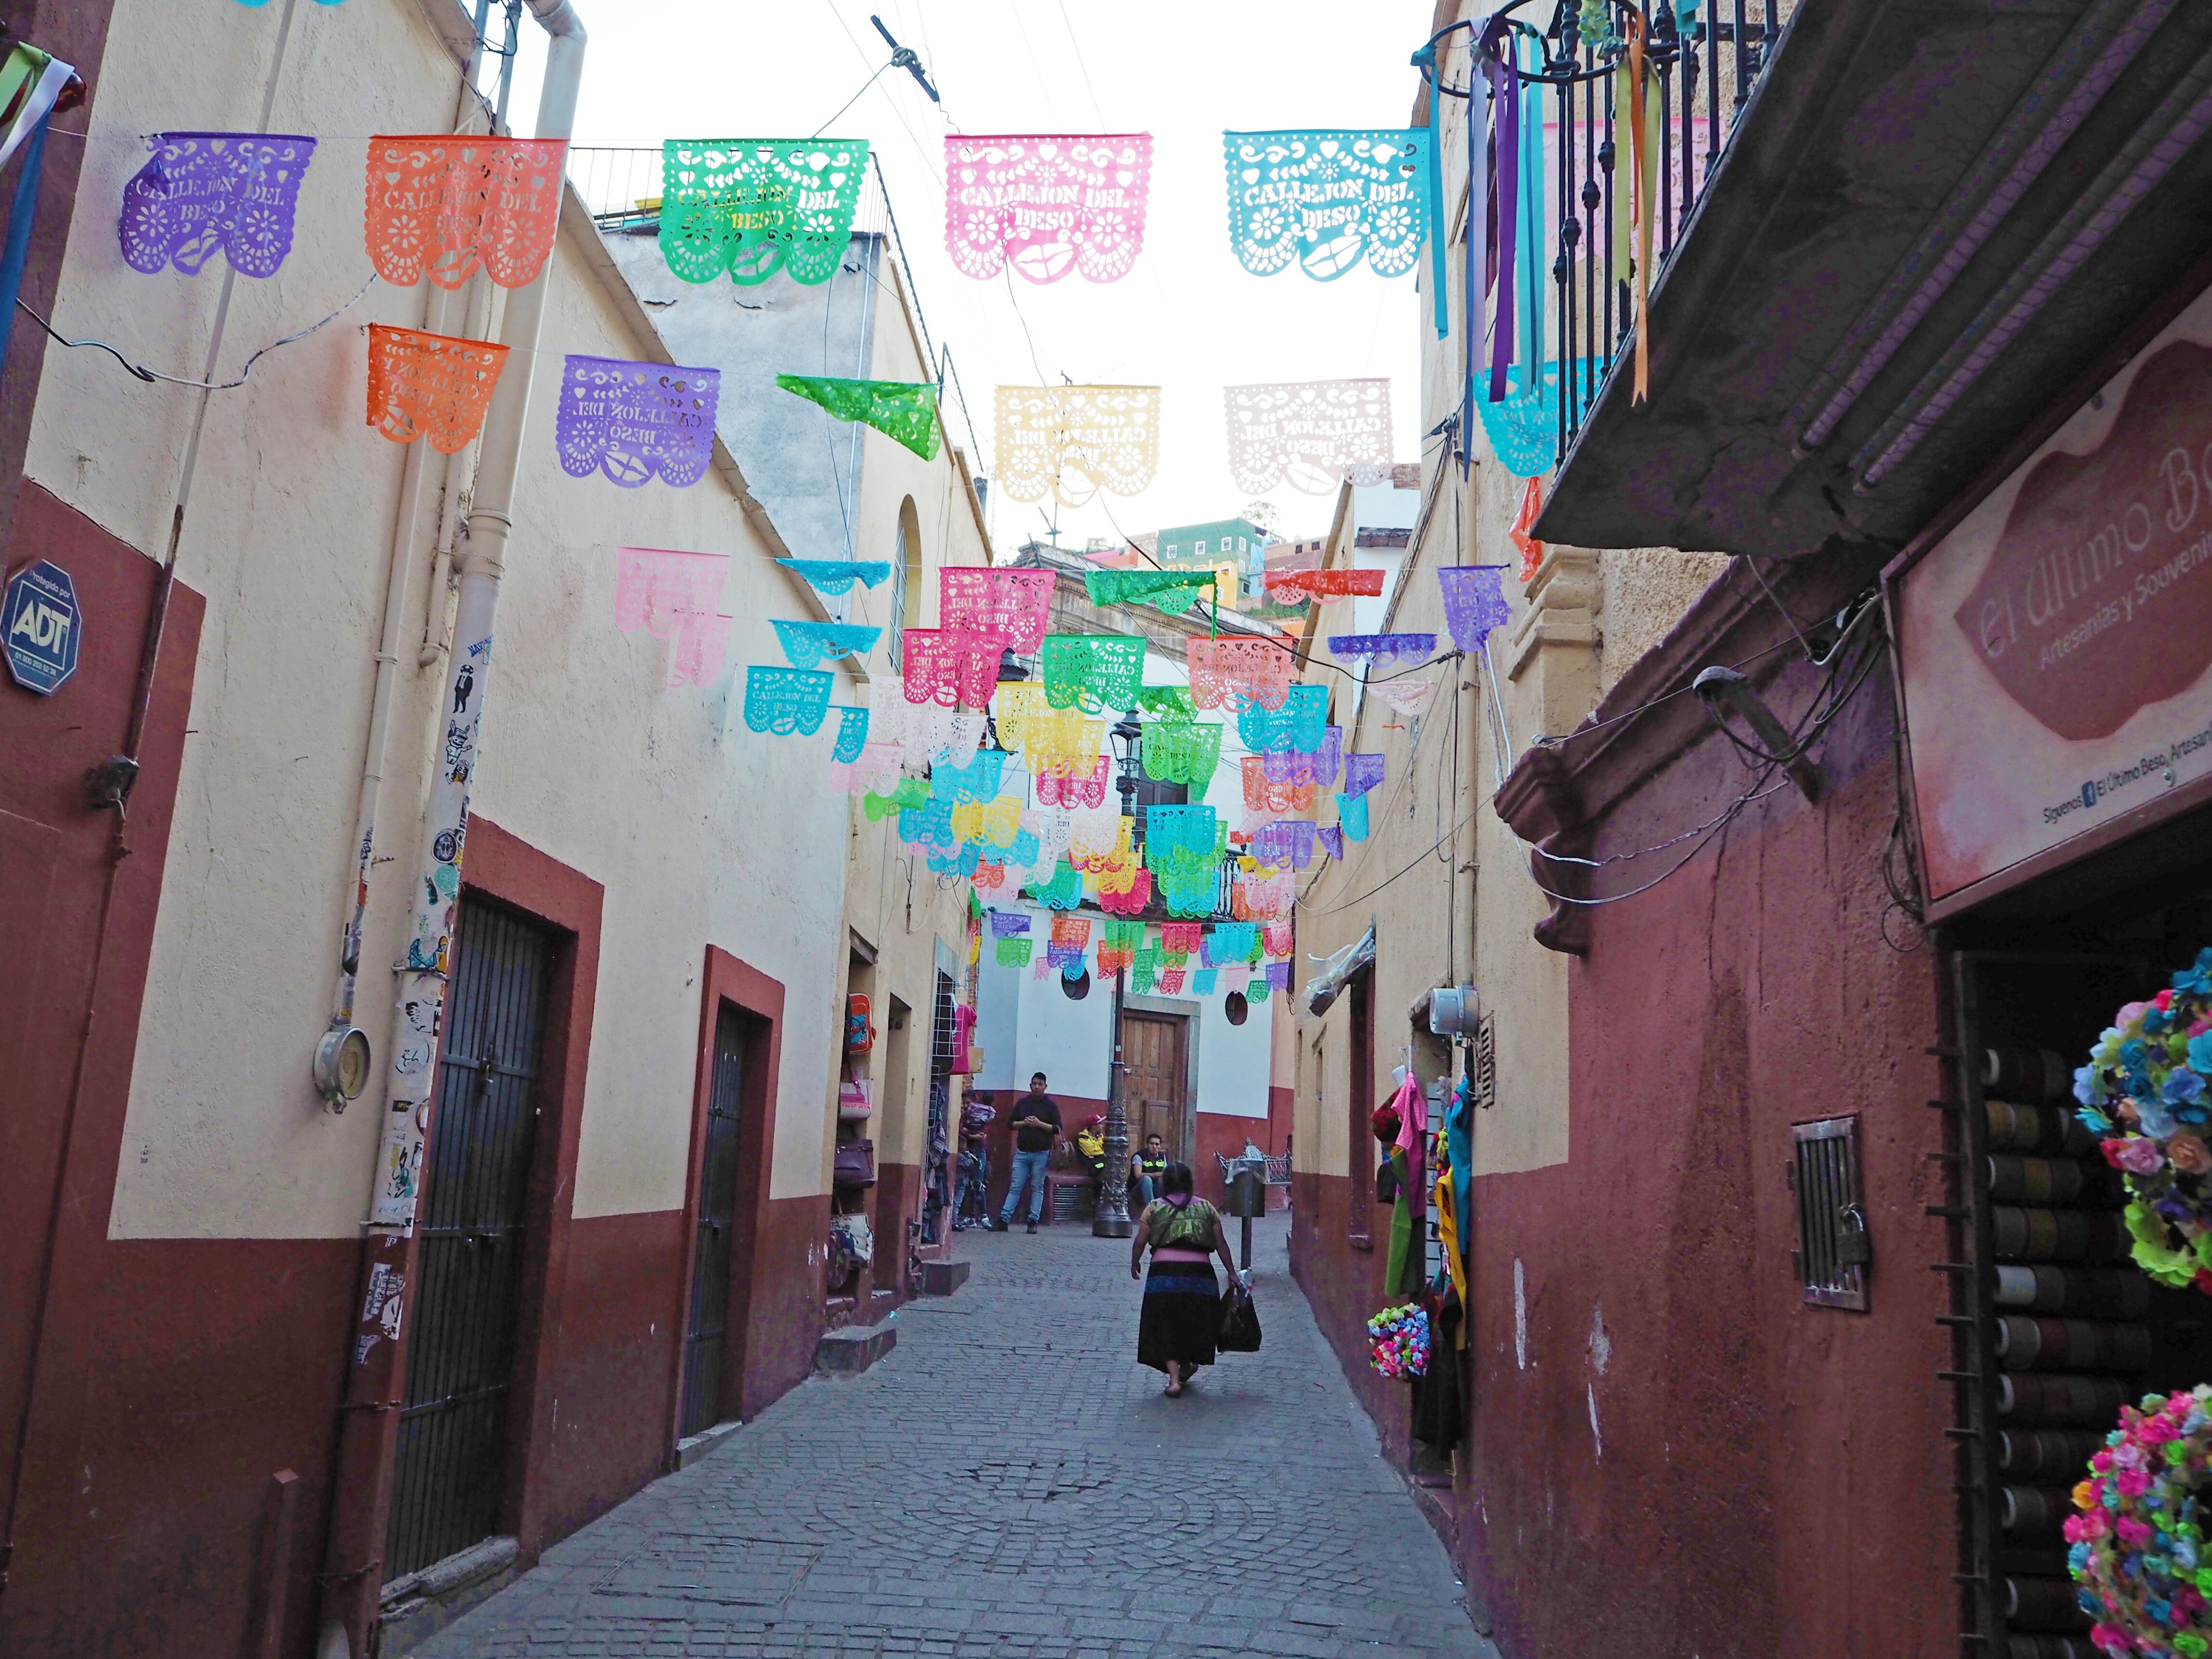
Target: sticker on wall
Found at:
x=676, y=595
x=41, y=627
x=447, y=206
x=1071, y=442
x=205, y=193
x=431, y=385
x=1312, y=435
x=755, y=206
x=634, y=421
x=1046, y=204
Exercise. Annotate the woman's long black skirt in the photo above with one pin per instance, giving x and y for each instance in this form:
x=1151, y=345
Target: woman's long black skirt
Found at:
x=1181, y=1316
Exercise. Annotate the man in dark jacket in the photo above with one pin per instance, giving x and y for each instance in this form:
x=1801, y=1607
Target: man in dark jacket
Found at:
x=1036, y=1118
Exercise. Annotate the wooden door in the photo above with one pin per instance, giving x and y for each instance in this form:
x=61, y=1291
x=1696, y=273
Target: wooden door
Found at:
x=706, y=1339
x=1156, y=1078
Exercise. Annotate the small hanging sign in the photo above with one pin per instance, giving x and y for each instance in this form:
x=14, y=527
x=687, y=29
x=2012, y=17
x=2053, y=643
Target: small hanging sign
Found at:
x=755, y=206
x=1046, y=204
x=447, y=206
x=1071, y=442
x=1314, y=435
x=633, y=422
x=431, y=385
x=209, y=192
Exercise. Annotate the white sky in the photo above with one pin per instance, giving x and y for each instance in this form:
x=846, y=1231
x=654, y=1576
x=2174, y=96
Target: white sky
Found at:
x=1187, y=318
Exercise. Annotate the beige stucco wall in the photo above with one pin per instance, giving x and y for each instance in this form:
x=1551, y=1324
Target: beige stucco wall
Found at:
x=700, y=831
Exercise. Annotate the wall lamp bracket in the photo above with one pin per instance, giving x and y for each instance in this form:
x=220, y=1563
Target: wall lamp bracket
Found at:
x=1720, y=689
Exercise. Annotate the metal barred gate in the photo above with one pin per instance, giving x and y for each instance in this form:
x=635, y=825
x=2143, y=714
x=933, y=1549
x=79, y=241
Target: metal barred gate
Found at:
x=451, y=1465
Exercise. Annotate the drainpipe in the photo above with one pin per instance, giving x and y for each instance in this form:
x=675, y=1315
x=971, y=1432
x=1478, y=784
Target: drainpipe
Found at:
x=352, y=1574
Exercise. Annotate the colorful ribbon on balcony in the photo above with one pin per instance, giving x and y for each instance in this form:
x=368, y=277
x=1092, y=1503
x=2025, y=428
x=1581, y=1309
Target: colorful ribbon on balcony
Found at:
x=445, y=205
x=1094, y=672
x=1382, y=649
x=431, y=385
x=1301, y=724
x=1015, y=603
x=676, y=596
x=1101, y=437
x=1324, y=199
x=755, y=206
x=1523, y=533
x=1053, y=790
x=1474, y=602
x=852, y=735
x=904, y=410
x=787, y=701
x=205, y=192
x=1636, y=113
x=835, y=576
x=1327, y=585
x=1361, y=773
x=1187, y=753
x=806, y=643
x=1238, y=674
x=634, y=421
x=951, y=666
x=1315, y=434
x=1046, y=204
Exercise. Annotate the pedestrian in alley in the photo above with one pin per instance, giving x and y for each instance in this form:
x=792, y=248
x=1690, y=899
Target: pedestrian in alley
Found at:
x=1181, y=1316
x=1037, y=1126
x=1146, y=1169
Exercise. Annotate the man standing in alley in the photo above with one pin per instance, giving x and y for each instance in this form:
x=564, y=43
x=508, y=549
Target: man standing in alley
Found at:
x=1037, y=1126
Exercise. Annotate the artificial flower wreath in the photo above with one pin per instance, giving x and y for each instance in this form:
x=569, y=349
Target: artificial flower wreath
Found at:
x=2144, y=1092
x=2136, y=1547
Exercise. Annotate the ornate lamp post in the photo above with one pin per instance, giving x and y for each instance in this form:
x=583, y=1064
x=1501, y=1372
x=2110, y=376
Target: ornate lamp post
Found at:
x=1111, y=1219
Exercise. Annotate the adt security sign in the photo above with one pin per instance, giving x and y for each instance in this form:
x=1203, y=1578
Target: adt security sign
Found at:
x=39, y=626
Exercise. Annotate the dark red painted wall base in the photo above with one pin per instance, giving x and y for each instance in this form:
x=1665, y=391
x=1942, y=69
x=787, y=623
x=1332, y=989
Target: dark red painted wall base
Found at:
x=790, y=1261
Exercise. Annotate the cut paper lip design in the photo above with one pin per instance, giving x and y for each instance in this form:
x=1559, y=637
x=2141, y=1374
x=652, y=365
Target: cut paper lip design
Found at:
x=951, y=666
x=1014, y=603
x=755, y=206
x=1301, y=724
x=1323, y=200
x=1046, y=204
x=633, y=422
x=852, y=735
x=2058, y=616
x=209, y=192
x=431, y=385
x=1091, y=437
x=445, y=205
x=1314, y=435
x=676, y=595
x=1238, y=674
x=787, y=701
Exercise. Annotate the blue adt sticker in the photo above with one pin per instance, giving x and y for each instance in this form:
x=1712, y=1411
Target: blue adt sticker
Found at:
x=40, y=627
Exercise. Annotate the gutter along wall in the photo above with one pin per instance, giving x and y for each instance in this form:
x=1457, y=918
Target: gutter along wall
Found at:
x=214, y=1255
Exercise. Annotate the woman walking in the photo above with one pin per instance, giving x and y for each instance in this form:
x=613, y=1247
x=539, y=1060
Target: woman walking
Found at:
x=1181, y=1316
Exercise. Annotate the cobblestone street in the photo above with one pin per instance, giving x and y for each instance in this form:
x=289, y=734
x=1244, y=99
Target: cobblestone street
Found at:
x=1009, y=1482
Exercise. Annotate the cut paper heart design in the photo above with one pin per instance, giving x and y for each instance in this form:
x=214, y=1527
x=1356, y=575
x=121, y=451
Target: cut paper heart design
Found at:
x=1230, y=942
x=1361, y=773
x=1127, y=896
x=1006, y=923
x=1238, y=674
x=904, y=411
x=1015, y=952
x=209, y=192
x=875, y=768
x=1094, y=672
x=835, y=576
x=755, y=206
x=1474, y=602
x=1071, y=442
x=1276, y=941
x=676, y=595
x=806, y=643
x=852, y=735
x=1382, y=649
x=1187, y=753
x=1288, y=841
x=1014, y=603
x=431, y=385
x=1313, y=435
x=1046, y=204
x=1323, y=200
x=1316, y=768
x=1063, y=892
x=1300, y=725
x=976, y=782
x=1172, y=592
x=1408, y=696
x=951, y=666
x=633, y=422
x=1328, y=587
x=447, y=206
x=928, y=825
x=1264, y=794
x=787, y=701
x=1089, y=791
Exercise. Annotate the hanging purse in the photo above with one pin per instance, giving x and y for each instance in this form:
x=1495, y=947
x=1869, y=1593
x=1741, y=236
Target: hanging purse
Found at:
x=1240, y=1322
x=856, y=1165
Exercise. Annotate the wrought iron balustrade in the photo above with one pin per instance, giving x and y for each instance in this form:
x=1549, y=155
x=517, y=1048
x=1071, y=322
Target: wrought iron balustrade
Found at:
x=1548, y=325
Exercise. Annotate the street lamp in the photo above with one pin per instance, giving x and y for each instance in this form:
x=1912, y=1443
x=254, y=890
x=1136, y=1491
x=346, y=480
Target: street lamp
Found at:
x=1110, y=1219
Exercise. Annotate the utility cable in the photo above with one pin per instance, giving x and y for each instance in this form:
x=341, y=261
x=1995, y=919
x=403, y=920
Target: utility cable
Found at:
x=152, y=375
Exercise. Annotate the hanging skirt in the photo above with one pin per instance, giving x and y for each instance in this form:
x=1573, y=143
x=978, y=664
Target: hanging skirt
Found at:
x=1181, y=1316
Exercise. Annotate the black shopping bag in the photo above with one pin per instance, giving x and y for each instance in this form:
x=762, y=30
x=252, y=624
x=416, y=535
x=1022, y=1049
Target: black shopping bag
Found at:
x=1240, y=1322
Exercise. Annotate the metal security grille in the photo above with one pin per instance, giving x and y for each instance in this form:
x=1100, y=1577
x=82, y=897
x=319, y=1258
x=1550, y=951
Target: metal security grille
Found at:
x=705, y=1338
x=941, y=1030
x=1831, y=1253
x=460, y=1362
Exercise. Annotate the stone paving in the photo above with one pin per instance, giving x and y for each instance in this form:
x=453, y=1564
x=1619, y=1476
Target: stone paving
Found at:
x=1009, y=1484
